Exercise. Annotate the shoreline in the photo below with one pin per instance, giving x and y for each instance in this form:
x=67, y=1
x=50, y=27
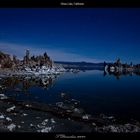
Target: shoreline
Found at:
x=16, y=118
x=65, y=116
x=9, y=72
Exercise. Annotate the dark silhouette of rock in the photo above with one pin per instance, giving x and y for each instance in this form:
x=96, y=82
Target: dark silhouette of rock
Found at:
x=7, y=62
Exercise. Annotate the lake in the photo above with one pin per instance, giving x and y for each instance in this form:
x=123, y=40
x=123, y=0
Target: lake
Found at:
x=97, y=93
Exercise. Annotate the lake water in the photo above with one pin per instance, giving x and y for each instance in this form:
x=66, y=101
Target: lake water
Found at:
x=98, y=94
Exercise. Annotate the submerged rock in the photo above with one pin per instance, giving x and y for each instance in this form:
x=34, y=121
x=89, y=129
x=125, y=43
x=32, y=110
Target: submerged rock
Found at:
x=45, y=122
x=94, y=124
x=86, y=117
x=27, y=105
x=106, y=117
x=31, y=125
x=11, y=127
x=19, y=126
x=52, y=120
x=2, y=87
x=2, y=97
x=76, y=102
x=66, y=106
x=8, y=119
x=2, y=117
x=45, y=130
x=63, y=94
x=11, y=109
x=126, y=128
x=59, y=104
x=78, y=110
x=24, y=114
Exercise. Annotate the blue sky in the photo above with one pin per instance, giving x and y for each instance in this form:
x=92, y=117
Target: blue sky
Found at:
x=73, y=34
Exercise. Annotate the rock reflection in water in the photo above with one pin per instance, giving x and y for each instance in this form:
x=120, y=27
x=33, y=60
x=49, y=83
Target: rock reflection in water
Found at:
x=22, y=84
x=118, y=74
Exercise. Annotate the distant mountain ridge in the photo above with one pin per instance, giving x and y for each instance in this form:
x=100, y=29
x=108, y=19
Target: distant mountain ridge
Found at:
x=81, y=65
x=78, y=63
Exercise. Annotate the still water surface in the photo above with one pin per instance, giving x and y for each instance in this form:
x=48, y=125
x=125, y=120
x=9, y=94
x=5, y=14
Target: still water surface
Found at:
x=97, y=93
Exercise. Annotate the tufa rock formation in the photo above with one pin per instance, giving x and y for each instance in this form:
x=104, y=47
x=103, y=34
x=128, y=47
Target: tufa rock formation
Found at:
x=14, y=63
x=5, y=60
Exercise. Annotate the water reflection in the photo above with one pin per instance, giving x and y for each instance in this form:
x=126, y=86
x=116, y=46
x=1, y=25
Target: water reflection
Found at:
x=23, y=84
x=118, y=74
x=95, y=92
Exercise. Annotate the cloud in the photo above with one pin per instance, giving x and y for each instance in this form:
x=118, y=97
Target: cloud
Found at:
x=55, y=54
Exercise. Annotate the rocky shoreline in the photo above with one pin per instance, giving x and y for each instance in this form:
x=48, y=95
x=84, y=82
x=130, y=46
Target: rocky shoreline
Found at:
x=9, y=72
x=65, y=116
x=16, y=119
